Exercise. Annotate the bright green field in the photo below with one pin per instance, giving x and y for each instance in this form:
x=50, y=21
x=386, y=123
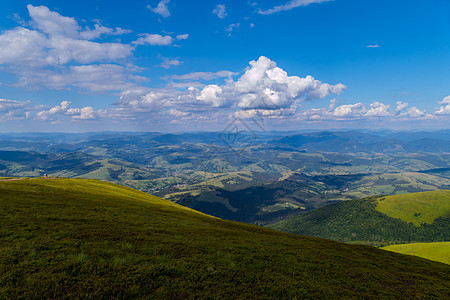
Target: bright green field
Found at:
x=417, y=208
x=75, y=238
x=434, y=251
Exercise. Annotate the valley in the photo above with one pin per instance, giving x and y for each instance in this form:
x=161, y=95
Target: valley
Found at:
x=279, y=174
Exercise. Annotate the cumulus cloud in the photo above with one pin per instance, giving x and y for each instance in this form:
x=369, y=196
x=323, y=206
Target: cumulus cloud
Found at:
x=413, y=112
x=53, y=23
x=445, y=106
x=350, y=110
x=211, y=94
x=56, y=40
x=85, y=113
x=220, y=11
x=378, y=109
x=161, y=9
x=265, y=85
x=263, y=88
x=154, y=40
x=57, y=53
x=359, y=111
x=290, y=5
x=401, y=106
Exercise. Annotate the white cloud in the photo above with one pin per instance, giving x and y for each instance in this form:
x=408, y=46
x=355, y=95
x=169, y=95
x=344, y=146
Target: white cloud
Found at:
x=53, y=23
x=22, y=46
x=168, y=62
x=378, y=109
x=220, y=11
x=401, y=106
x=264, y=113
x=182, y=36
x=204, y=75
x=95, y=78
x=85, y=113
x=262, y=87
x=99, y=30
x=445, y=106
x=30, y=48
x=177, y=113
x=232, y=27
x=58, y=40
x=359, y=111
x=265, y=85
x=62, y=108
x=13, y=109
x=373, y=46
x=413, y=112
x=211, y=95
x=350, y=110
x=161, y=9
x=154, y=40
x=290, y=5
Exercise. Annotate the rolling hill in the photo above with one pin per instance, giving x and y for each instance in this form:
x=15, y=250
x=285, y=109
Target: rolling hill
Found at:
x=388, y=219
x=81, y=238
x=416, y=208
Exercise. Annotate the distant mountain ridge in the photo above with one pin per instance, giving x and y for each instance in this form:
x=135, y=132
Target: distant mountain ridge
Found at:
x=353, y=142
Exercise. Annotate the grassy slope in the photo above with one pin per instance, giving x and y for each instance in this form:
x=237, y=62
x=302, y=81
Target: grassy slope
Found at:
x=434, y=251
x=417, y=208
x=359, y=221
x=86, y=238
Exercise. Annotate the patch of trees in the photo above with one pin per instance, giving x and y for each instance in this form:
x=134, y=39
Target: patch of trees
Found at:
x=358, y=220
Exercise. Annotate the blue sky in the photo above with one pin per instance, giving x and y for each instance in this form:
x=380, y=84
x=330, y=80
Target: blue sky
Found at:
x=175, y=65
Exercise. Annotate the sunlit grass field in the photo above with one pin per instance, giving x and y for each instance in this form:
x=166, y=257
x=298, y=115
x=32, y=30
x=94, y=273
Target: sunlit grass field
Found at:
x=81, y=238
x=434, y=251
x=417, y=208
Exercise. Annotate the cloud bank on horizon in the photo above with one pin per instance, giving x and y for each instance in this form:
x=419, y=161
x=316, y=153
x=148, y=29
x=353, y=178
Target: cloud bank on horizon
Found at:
x=56, y=53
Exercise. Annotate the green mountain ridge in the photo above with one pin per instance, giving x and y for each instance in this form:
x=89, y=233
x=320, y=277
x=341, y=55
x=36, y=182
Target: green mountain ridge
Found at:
x=81, y=238
x=362, y=221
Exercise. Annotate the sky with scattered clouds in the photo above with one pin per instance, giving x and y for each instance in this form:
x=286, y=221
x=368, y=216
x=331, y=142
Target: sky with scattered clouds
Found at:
x=176, y=65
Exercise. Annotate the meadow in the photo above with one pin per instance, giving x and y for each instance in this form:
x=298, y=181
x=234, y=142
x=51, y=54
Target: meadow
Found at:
x=81, y=238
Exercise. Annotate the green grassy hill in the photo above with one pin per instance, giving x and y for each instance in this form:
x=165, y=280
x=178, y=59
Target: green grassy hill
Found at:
x=417, y=208
x=90, y=239
x=361, y=221
x=434, y=251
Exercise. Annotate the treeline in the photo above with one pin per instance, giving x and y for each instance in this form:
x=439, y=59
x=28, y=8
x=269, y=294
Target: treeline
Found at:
x=358, y=220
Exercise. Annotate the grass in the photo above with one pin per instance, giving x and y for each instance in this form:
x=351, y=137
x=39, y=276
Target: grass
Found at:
x=76, y=238
x=433, y=251
x=416, y=208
